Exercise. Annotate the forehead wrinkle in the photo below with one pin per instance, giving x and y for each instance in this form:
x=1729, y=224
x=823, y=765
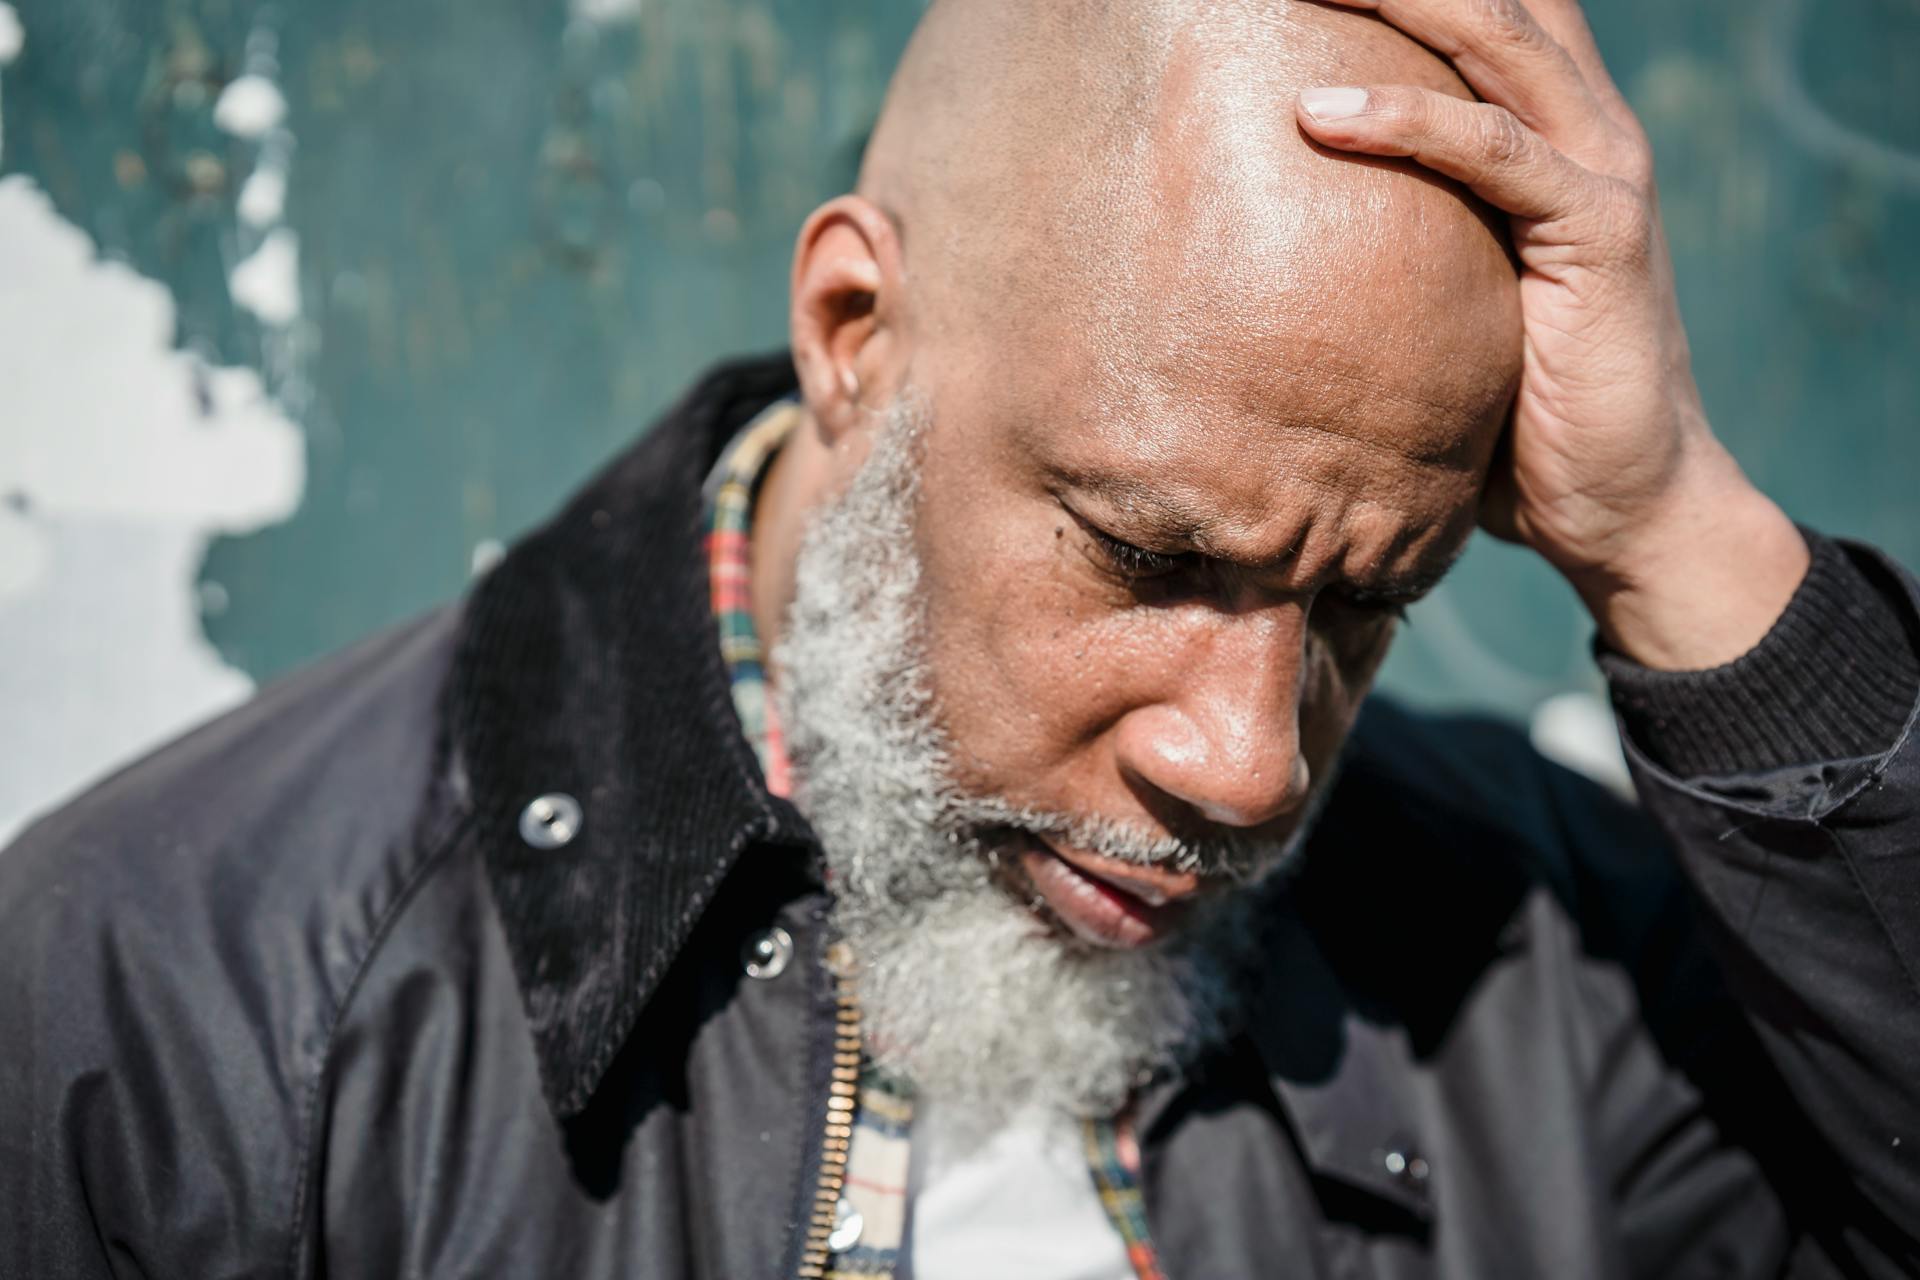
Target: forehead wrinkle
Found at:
x=1448, y=419
x=1460, y=459
x=1224, y=536
x=1282, y=366
x=1459, y=400
x=1290, y=450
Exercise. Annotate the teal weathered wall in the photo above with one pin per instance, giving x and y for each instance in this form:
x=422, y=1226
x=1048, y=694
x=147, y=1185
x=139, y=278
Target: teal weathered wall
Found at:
x=518, y=227
x=519, y=233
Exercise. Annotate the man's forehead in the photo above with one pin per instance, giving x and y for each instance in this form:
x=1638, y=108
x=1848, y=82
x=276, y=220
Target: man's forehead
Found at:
x=1361, y=305
x=1266, y=396
x=1390, y=407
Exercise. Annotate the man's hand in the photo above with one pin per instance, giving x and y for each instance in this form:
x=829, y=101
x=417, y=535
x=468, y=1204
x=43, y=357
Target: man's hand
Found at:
x=1610, y=470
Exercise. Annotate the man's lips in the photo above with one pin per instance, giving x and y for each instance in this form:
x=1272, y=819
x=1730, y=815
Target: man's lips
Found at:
x=1105, y=901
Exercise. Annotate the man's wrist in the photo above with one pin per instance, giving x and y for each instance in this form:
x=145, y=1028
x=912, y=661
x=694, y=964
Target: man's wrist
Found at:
x=1834, y=679
x=1704, y=583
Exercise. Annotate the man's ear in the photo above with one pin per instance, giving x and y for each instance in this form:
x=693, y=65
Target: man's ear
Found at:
x=847, y=287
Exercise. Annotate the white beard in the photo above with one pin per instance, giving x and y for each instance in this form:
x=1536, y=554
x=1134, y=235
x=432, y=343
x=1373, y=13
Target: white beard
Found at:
x=965, y=990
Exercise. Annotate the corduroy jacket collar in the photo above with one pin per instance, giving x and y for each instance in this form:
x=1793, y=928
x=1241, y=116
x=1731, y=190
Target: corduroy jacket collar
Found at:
x=589, y=666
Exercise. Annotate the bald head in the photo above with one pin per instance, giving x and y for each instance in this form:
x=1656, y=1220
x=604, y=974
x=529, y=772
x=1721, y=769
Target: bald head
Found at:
x=1131, y=141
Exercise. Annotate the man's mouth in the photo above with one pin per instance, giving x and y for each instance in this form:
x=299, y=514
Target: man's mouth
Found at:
x=1104, y=901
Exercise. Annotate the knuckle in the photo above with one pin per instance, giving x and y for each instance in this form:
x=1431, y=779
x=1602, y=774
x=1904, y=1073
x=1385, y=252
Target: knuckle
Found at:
x=1504, y=140
x=1410, y=108
x=1404, y=111
x=1504, y=24
x=1386, y=101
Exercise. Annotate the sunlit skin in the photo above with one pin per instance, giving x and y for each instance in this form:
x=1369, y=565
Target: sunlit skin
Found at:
x=1209, y=403
x=1168, y=619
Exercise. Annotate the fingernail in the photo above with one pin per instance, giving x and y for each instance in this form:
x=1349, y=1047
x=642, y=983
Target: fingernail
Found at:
x=1328, y=105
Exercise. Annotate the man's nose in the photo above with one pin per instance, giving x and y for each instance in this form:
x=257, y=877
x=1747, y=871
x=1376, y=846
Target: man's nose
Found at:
x=1224, y=739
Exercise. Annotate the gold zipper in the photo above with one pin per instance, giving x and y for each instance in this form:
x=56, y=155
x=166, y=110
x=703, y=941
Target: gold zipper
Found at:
x=843, y=1091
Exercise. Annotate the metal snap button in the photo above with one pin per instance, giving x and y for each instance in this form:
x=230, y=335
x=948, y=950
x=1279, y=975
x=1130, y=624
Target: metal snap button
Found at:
x=1406, y=1165
x=767, y=953
x=847, y=1226
x=550, y=820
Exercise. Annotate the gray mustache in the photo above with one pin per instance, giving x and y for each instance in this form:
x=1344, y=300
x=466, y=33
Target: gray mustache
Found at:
x=1237, y=860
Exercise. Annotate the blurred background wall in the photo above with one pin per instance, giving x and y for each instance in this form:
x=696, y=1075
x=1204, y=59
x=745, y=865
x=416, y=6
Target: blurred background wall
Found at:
x=306, y=309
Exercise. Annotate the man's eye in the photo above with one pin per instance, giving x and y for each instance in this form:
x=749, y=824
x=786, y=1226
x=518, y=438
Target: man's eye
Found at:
x=1136, y=562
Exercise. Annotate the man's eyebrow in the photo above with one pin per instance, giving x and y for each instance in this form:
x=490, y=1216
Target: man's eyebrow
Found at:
x=1170, y=518
x=1167, y=515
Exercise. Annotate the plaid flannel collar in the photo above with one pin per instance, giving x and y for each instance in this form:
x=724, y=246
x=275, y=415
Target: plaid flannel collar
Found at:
x=730, y=490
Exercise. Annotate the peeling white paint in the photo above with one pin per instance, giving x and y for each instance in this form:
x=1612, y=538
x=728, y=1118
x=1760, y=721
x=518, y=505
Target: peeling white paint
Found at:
x=263, y=197
x=249, y=107
x=487, y=553
x=121, y=457
x=267, y=281
x=606, y=11
x=1578, y=731
x=24, y=554
x=13, y=37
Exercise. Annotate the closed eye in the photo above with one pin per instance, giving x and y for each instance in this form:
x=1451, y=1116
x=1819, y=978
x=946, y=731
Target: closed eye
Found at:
x=1137, y=562
x=1134, y=563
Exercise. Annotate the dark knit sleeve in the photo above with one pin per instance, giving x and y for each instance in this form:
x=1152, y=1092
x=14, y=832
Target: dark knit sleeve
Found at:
x=1834, y=679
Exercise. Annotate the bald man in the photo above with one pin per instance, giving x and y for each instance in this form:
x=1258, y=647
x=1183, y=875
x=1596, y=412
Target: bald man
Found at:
x=920, y=813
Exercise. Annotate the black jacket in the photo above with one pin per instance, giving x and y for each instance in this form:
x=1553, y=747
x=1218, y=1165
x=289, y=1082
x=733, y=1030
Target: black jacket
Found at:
x=296, y=997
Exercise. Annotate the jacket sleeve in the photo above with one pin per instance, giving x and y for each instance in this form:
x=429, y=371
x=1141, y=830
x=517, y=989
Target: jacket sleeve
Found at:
x=1789, y=784
x=146, y=1119
x=178, y=948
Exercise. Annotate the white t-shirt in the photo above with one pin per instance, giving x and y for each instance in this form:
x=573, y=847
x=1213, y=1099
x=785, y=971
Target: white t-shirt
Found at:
x=1020, y=1205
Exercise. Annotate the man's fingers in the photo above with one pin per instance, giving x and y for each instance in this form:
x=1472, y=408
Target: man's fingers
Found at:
x=1484, y=147
x=1567, y=24
x=1509, y=58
